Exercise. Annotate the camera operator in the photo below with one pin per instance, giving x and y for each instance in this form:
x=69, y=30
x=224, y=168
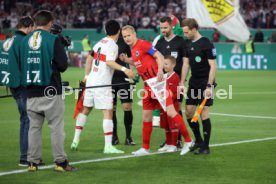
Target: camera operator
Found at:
x=43, y=58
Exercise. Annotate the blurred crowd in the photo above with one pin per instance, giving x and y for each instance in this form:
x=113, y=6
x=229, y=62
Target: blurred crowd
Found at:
x=139, y=13
x=93, y=13
x=259, y=13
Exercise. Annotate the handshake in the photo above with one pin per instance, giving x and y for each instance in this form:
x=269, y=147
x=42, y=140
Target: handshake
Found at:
x=134, y=80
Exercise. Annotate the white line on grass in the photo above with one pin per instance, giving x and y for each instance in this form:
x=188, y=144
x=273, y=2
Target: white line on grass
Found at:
x=243, y=116
x=255, y=93
x=132, y=156
x=242, y=142
x=240, y=115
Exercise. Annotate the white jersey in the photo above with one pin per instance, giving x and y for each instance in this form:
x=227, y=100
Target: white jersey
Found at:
x=101, y=74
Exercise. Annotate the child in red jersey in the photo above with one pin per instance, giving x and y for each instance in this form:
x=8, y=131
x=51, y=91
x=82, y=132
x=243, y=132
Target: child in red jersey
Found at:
x=165, y=121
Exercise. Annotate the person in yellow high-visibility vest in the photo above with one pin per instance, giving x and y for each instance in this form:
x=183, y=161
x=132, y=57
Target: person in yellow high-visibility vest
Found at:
x=249, y=46
x=86, y=46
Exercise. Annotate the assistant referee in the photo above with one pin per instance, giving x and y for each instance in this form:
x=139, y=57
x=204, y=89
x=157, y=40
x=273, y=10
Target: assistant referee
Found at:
x=201, y=58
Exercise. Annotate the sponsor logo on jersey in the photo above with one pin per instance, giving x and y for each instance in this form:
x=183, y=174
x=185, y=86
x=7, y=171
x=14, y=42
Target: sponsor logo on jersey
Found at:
x=35, y=40
x=95, y=69
x=198, y=59
x=104, y=41
x=137, y=63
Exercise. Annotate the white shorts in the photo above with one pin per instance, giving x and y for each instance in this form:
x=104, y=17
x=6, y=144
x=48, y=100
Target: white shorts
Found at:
x=100, y=98
x=84, y=53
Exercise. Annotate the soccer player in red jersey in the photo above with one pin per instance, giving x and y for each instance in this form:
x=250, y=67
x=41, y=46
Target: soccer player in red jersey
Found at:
x=149, y=63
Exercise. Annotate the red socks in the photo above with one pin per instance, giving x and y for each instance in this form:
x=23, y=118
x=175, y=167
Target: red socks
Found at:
x=171, y=136
x=179, y=123
x=168, y=137
x=147, y=129
x=174, y=136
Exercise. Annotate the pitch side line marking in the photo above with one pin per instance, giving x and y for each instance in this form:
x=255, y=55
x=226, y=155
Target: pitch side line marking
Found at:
x=132, y=156
x=240, y=115
x=242, y=142
x=243, y=116
x=255, y=93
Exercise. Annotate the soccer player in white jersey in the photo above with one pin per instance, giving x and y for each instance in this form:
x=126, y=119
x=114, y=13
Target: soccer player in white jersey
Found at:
x=99, y=70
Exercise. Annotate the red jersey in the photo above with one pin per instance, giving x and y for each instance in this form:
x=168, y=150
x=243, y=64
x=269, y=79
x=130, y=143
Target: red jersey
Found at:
x=172, y=83
x=142, y=56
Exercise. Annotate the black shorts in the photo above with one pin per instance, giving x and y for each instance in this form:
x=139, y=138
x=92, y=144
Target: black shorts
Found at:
x=124, y=92
x=180, y=99
x=195, y=97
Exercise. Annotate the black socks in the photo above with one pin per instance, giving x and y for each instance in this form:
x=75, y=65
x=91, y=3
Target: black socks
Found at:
x=114, y=124
x=128, y=118
x=206, y=131
x=195, y=128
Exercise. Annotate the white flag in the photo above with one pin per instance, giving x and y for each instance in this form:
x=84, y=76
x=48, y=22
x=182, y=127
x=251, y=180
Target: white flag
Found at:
x=220, y=14
x=159, y=90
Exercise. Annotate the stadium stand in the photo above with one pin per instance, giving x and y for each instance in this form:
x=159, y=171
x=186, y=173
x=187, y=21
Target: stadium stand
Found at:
x=140, y=13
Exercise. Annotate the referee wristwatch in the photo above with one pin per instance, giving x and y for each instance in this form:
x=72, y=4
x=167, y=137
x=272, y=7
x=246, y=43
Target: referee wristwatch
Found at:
x=209, y=85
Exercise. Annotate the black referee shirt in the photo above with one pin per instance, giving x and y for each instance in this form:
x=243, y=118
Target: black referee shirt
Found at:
x=175, y=47
x=199, y=52
x=119, y=76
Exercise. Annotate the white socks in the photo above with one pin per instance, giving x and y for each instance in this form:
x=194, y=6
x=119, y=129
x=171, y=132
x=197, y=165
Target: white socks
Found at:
x=108, y=129
x=81, y=120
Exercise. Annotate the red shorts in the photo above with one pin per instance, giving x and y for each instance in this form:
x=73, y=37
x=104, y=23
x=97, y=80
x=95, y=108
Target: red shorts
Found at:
x=150, y=101
x=165, y=120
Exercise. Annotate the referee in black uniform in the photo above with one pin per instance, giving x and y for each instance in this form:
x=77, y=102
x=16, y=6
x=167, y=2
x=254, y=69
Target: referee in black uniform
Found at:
x=201, y=58
x=173, y=45
x=124, y=93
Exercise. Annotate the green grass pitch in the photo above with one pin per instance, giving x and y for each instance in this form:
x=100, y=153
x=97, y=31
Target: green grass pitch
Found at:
x=249, y=115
